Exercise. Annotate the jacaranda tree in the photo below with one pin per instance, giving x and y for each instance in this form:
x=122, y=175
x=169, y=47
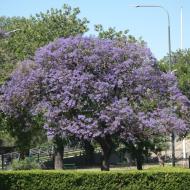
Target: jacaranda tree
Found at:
x=98, y=89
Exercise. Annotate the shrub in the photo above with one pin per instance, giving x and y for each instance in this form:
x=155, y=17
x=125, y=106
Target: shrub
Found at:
x=176, y=179
x=26, y=164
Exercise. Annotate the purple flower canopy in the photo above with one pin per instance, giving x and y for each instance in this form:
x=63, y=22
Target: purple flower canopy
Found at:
x=91, y=87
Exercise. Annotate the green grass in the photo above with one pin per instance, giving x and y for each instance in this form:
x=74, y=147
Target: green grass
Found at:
x=155, y=169
x=133, y=169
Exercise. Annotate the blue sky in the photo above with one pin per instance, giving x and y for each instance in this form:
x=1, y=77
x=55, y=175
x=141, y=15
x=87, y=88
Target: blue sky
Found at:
x=149, y=23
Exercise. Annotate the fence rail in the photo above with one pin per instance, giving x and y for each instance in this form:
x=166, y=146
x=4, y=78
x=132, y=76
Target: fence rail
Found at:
x=39, y=154
x=42, y=155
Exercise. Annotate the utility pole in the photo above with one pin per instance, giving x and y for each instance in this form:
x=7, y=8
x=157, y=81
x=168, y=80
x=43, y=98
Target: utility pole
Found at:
x=181, y=47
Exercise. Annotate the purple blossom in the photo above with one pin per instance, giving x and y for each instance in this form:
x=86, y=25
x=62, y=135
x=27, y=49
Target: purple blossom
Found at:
x=91, y=88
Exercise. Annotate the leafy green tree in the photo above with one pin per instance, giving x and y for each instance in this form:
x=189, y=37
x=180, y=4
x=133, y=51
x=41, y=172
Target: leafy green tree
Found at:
x=113, y=34
x=5, y=59
x=23, y=132
x=35, y=32
x=181, y=67
x=5, y=138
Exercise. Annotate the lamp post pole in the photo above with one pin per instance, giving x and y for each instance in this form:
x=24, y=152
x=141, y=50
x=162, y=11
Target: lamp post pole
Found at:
x=170, y=61
x=181, y=47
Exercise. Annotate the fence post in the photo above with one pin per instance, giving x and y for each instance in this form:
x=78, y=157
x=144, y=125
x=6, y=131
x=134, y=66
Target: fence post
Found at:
x=12, y=158
x=38, y=158
x=189, y=162
x=2, y=162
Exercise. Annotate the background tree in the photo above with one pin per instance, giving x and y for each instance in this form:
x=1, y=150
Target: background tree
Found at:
x=35, y=32
x=181, y=67
x=113, y=34
x=5, y=138
x=4, y=57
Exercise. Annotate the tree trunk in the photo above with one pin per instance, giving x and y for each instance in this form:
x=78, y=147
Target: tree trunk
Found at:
x=139, y=157
x=89, y=153
x=106, y=145
x=58, y=153
x=23, y=145
x=24, y=153
x=139, y=162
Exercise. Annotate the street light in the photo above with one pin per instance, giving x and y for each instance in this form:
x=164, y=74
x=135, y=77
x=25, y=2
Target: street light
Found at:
x=170, y=61
x=12, y=31
x=4, y=34
x=168, y=16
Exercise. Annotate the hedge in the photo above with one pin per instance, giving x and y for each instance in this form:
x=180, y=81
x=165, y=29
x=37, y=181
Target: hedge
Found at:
x=177, y=179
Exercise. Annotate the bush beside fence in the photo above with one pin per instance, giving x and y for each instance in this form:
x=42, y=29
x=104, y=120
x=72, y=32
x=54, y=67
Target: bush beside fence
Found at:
x=176, y=179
